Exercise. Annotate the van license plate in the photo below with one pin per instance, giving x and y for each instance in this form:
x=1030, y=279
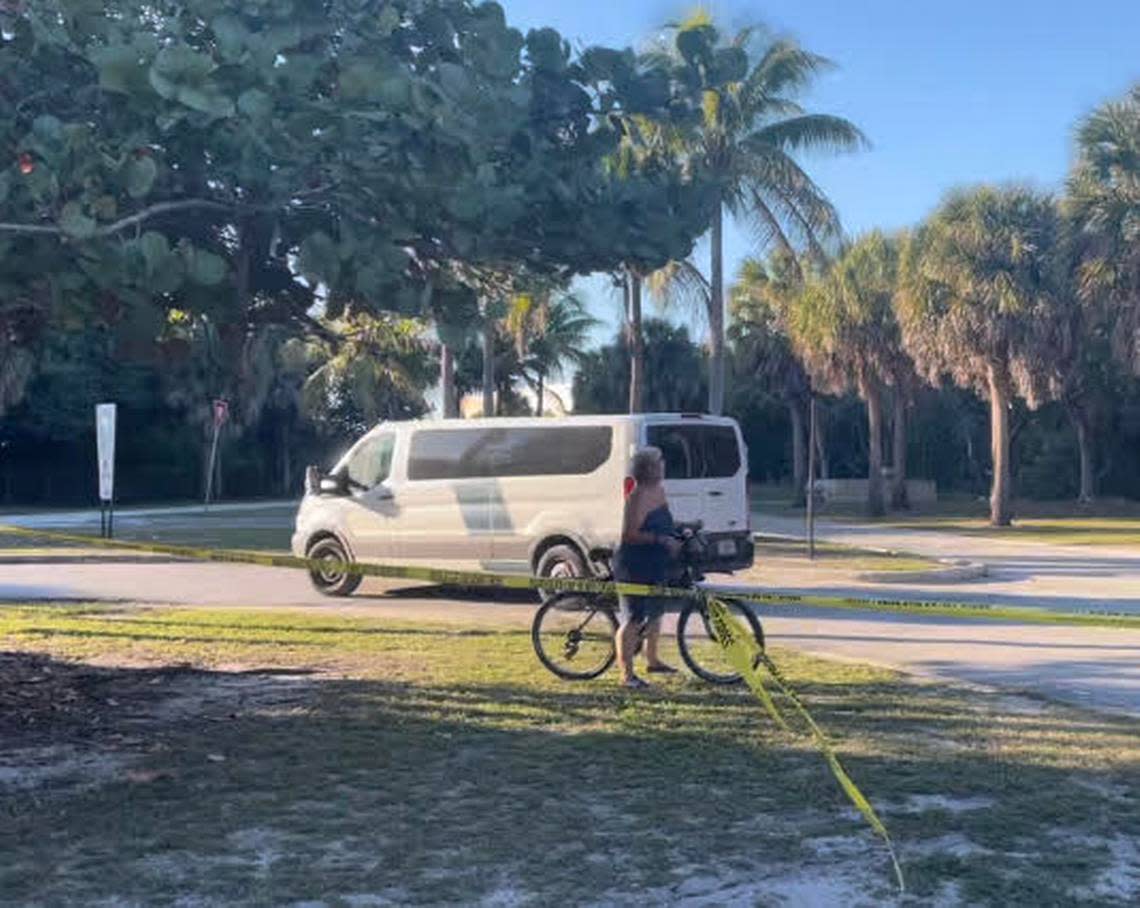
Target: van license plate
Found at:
x=726, y=548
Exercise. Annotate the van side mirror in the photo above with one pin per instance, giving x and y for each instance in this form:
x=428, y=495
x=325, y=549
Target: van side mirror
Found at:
x=318, y=483
x=333, y=485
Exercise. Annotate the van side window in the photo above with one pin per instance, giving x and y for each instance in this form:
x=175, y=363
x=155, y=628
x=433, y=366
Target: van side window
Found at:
x=522, y=451
x=697, y=452
x=371, y=463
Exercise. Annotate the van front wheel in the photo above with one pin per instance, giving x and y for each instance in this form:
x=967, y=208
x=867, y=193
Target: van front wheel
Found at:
x=331, y=576
x=560, y=561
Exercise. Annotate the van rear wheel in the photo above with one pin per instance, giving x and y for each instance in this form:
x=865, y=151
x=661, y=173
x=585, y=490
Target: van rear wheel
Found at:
x=331, y=577
x=560, y=561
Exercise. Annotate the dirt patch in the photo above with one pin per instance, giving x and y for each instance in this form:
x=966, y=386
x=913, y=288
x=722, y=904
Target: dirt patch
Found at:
x=67, y=725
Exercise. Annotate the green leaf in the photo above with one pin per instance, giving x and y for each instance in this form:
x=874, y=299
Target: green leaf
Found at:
x=121, y=68
x=178, y=65
x=48, y=129
x=231, y=37
x=202, y=266
x=181, y=74
x=75, y=223
x=207, y=101
x=256, y=105
x=141, y=174
x=360, y=80
x=155, y=251
x=319, y=262
x=388, y=20
x=455, y=80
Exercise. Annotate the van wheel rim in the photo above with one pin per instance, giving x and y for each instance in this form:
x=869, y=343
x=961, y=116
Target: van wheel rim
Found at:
x=331, y=569
x=562, y=569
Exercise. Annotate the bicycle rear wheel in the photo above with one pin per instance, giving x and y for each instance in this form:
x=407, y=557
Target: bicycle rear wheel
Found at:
x=573, y=635
x=699, y=648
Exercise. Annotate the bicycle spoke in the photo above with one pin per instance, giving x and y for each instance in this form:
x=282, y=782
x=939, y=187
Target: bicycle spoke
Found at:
x=575, y=637
x=705, y=655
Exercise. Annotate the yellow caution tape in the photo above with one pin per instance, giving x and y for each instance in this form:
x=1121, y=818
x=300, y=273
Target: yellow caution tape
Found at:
x=746, y=655
x=740, y=648
x=1023, y=614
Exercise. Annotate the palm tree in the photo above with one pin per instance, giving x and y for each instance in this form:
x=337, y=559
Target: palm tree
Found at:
x=745, y=144
x=844, y=327
x=978, y=302
x=761, y=303
x=1104, y=202
x=549, y=335
x=379, y=368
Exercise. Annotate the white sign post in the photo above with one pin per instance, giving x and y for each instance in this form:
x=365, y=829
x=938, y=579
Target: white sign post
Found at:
x=105, y=447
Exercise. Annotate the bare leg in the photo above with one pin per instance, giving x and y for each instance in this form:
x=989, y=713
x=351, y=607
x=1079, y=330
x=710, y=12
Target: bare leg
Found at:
x=652, y=636
x=652, y=657
x=626, y=644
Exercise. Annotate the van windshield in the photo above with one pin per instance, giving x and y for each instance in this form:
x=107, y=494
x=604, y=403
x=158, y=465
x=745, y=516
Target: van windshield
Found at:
x=696, y=451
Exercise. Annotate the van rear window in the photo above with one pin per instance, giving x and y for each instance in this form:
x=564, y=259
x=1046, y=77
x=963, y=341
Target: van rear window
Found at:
x=499, y=451
x=697, y=452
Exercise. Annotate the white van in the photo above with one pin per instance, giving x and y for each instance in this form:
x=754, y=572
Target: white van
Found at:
x=529, y=496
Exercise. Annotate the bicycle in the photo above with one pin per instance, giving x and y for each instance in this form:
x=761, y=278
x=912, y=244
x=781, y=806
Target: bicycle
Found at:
x=574, y=633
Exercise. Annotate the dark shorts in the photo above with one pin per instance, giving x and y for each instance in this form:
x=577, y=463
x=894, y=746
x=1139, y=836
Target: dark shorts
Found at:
x=640, y=609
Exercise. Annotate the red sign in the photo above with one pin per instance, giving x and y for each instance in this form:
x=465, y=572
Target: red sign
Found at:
x=221, y=411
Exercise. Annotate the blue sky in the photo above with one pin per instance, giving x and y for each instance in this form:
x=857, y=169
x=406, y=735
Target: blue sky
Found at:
x=949, y=93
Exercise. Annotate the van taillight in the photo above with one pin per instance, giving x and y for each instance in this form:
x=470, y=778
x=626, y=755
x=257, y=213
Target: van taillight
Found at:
x=627, y=485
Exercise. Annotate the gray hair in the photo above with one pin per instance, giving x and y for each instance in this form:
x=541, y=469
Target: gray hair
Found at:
x=645, y=462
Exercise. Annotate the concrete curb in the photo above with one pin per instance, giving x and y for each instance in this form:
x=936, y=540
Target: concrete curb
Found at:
x=954, y=572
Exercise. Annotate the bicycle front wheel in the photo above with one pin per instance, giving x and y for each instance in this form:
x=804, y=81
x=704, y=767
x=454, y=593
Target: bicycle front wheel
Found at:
x=702, y=654
x=573, y=635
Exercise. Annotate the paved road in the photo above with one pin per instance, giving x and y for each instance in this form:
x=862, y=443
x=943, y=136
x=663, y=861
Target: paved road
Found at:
x=1092, y=666
x=1064, y=578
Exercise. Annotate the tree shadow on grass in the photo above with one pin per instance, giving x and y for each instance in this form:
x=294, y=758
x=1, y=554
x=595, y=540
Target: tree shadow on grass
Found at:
x=303, y=789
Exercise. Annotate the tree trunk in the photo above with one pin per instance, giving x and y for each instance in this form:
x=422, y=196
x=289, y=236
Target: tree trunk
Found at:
x=874, y=402
x=1085, y=445
x=488, y=366
x=716, y=314
x=799, y=451
x=447, y=382
x=539, y=393
x=286, y=460
x=821, y=443
x=899, y=499
x=1000, y=515
x=208, y=486
x=636, y=344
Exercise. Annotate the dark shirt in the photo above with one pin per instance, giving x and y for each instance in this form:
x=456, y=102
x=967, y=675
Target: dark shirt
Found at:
x=646, y=562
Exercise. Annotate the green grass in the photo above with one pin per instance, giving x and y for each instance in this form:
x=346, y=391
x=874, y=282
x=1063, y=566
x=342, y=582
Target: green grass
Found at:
x=1092, y=531
x=437, y=763
x=836, y=556
x=263, y=528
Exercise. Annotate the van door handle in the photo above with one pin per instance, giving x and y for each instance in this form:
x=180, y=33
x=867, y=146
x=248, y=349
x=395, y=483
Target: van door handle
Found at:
x=716, y=494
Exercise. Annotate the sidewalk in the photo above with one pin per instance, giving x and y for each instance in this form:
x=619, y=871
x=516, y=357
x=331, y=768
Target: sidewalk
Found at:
x=1020, y=572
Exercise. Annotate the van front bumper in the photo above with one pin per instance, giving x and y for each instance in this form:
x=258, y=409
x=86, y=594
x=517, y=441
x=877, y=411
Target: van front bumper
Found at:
x=728, y=552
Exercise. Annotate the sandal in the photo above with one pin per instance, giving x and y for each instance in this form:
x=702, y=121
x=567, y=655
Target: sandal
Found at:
x=661, y=669
x=635, y=683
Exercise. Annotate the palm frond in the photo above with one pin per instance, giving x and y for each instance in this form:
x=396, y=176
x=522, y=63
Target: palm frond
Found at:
x=784, y=68
x=810, y=132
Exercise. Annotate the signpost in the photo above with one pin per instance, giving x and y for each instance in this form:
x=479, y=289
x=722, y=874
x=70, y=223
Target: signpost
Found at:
x=105, y=451
x=221, y=414
x=811, y=480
